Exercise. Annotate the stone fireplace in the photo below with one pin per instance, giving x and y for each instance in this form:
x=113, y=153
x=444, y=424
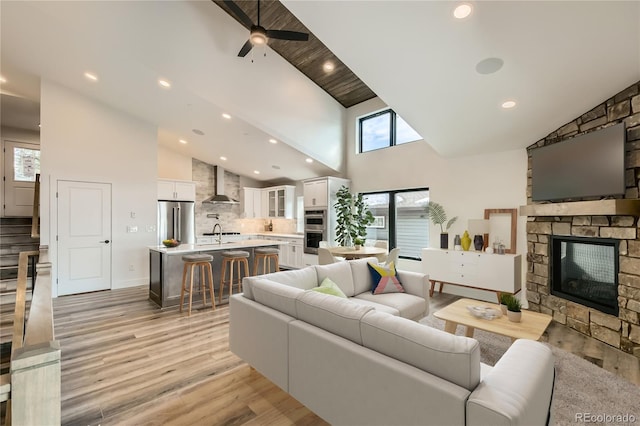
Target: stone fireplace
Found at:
x=593, y=285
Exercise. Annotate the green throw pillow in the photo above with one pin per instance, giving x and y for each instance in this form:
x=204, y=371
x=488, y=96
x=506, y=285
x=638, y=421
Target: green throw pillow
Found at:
x=329, y=287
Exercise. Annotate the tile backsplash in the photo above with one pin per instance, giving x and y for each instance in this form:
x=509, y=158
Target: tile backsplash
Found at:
x=229, y=215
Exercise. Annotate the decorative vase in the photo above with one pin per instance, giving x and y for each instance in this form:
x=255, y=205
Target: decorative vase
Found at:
x=514, y=316
x=465, y=241
x=457, y=243
x=444, y=240
x=478, y=242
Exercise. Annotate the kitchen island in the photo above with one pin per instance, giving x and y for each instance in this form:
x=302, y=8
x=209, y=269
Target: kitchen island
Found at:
x=166, y=266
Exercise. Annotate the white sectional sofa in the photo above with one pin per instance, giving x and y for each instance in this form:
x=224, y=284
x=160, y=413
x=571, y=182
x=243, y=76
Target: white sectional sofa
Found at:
x=362, y=361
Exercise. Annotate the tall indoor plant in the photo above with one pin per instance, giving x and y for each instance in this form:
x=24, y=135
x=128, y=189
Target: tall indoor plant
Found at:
x=438, y=216
x=352, y=217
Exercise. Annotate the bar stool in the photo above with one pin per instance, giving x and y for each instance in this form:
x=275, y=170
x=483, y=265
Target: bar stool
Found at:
x=229, y=259
x=266, y=254
x=191, y=262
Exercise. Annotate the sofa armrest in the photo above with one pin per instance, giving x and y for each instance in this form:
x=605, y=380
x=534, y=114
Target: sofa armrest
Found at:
x=518, y=390
x=415, y=283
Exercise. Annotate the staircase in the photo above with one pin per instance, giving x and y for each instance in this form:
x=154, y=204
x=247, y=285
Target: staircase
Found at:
x=15, y=236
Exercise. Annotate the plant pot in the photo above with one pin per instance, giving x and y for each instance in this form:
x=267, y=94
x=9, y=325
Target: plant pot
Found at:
x=357, y=246
x=503, y=308
x=444, y=240
x=514, y=316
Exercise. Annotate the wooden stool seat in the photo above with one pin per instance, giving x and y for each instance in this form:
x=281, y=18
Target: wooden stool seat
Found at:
x=191, y=262
x=266, y=254
x=230, y=259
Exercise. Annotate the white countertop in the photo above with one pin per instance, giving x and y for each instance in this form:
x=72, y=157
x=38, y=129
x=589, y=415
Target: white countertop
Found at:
x=274, y=234
x=194, y=248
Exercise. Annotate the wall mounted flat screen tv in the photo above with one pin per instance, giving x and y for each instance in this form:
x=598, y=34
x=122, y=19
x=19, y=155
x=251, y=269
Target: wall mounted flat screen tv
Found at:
x=589, y=165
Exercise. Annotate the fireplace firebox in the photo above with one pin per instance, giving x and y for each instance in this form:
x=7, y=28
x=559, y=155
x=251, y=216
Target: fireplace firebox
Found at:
x=585, y=271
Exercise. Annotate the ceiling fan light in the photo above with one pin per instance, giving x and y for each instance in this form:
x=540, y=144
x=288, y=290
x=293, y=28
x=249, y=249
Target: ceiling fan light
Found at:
x=258, y=36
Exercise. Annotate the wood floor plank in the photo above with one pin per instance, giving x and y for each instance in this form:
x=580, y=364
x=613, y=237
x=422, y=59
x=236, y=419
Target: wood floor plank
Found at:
x=127, y=362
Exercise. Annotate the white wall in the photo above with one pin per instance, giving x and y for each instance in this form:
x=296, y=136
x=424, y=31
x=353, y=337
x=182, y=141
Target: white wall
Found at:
x=173, y=165
x=15, y=135
x=464, y=186
x=84, y=140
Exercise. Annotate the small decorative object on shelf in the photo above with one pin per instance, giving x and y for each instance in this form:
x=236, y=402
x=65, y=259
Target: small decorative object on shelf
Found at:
x=466, y=241
x=438, y=216
x=457, y=243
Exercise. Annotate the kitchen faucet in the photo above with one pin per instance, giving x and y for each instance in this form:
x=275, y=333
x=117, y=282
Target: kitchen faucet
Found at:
x=219, y=232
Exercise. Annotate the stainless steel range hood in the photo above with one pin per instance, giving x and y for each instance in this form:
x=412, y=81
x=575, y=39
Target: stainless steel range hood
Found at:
x=219, y=197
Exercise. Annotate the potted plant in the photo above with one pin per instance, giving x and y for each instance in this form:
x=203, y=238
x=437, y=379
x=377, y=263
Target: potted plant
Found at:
x=358, y=242
x=504, y=299
x=513, y=309
x=437, y=216
x=352, y=217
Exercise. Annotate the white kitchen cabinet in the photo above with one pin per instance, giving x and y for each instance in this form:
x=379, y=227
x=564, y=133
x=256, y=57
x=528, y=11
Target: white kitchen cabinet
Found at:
x=291, y=252
x=500, y=273
x=176, y=190
x=316, y=193
x=278, y=201
x=252, y=203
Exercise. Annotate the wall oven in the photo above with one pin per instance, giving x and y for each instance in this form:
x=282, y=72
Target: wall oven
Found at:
x=315, y=230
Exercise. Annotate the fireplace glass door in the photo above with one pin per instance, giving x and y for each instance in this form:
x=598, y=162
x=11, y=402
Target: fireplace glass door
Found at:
x=585, y=271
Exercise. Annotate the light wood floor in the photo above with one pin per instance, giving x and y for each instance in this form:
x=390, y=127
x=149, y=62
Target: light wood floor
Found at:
x=125, y=362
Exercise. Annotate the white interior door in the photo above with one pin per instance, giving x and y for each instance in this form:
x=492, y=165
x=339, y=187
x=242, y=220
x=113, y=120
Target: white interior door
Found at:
x=84, y=234
x=21, y=164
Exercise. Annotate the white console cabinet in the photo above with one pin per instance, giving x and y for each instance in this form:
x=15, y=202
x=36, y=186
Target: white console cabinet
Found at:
x=500, y=273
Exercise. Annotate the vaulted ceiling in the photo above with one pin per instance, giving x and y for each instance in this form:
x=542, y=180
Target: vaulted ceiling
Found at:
x=558, y=60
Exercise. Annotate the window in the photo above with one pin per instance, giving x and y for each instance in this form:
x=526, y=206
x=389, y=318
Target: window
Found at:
x=400, y=220
x=26, y=164
x=384, y=129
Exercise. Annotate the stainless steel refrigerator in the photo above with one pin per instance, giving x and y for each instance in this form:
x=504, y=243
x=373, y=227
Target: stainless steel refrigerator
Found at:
x=176, y=219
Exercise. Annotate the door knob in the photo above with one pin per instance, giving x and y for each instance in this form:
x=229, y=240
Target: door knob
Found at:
x=105, y=241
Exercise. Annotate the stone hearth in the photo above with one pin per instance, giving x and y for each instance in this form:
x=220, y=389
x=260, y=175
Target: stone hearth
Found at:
x=623, y=330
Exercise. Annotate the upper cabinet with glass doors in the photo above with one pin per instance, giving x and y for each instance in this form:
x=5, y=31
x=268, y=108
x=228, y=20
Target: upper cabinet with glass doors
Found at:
x=278, y=201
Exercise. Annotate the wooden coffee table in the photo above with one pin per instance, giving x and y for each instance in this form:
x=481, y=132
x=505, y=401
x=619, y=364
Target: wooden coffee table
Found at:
x=532, y=325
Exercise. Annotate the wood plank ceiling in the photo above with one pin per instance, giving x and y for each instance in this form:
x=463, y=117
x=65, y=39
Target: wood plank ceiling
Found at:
x=307, y=56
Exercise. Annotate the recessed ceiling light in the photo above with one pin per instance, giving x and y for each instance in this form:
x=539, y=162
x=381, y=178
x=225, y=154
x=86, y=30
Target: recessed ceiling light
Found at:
x=508, y=104
x=256, y=172
x=223, y=158
x=462, y=11
x=273, y=141
x=164, y=83
x=309, y=160
x=2, y=79
x=227, y=116
x=91, y=76
x=328, y=66
x=182, y=141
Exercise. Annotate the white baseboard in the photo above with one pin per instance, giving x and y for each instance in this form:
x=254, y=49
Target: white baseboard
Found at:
x=130, y=283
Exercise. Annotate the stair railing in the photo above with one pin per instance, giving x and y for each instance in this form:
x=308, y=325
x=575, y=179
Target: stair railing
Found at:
x=35, y=222
x=35, y=354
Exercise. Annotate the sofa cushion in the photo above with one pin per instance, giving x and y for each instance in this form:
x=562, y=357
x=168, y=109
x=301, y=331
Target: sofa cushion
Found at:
x=278, y=296
x=384, y=279
x=377, y=306
x=408, y=305
x=334, y=314
x=361, y=274
x=453, y=358
x=329, y=287
x=339, y=273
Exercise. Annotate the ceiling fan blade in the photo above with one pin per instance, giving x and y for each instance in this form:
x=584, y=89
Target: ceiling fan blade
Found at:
x=239, y=13
x=287, y=35
x=245, y=49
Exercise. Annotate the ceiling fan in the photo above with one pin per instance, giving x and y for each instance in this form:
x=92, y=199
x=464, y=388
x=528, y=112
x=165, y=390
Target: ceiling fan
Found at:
x=259, y=35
